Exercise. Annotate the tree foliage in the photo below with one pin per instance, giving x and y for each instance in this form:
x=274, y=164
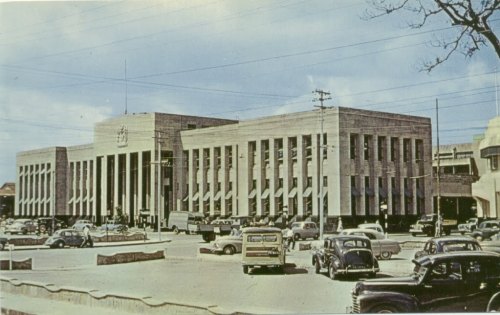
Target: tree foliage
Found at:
x=470, y=17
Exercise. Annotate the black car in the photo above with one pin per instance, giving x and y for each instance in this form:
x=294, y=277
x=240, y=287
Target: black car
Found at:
x=448, y=282
x=45, y=224
x=66, y=237
x=445, y=244
x=346, y=254
x=3, y=242
x=486, y=230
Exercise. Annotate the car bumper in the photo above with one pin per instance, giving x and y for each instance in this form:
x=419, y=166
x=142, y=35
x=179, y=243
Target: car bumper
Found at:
x=353, y=271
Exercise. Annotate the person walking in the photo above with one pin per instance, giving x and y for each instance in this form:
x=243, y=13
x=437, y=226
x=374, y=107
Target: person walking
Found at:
x=87, y=238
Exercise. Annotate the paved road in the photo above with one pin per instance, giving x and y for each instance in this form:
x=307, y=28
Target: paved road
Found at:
x=200, y=279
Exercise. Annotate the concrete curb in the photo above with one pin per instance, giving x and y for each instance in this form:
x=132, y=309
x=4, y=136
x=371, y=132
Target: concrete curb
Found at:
x=96, y=298
x=104, y=244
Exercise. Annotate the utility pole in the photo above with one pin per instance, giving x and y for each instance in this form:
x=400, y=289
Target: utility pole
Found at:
x=322, y=96
x=438, y=220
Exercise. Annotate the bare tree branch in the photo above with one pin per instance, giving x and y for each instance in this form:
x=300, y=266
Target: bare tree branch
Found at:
x=471, y=15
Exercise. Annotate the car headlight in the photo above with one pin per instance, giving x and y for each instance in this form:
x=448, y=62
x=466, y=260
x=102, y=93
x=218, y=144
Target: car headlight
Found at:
x=216, y=245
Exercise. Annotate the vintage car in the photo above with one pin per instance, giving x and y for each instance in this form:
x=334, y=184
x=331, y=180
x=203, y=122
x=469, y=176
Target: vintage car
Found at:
x=372, y=226
x=346, y=254
x=3, y=242
x=449, y=282
x=486, y=230
x=382, y=248
x=81, y=224
x=468, y=226
x=446, y=244
x=115, y=226
x=45, y=224
x=262, y=247
x=303, y=230
x=22, y=226
x=427, y=225
x=228, y=245
x=66, y=237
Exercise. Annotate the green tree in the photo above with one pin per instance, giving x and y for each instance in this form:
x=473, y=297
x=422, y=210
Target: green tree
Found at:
x=472, y=17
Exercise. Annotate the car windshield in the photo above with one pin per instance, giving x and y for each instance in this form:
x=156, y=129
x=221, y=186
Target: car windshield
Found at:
x=426, y=217
x=460, y=246
x=471, y=221
x=57, y=233
x=295, y=225
x=348, y=244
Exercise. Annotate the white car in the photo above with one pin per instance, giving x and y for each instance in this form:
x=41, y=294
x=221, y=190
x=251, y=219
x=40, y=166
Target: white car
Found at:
x=81, y=224
x=382, y=247
x=372, y=226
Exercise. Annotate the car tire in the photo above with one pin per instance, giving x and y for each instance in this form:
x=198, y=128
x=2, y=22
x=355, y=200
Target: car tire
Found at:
x=25, y=231
x=2, y=246
x=414, y=234
x=316, y=236
x=463, y=233
x=176, y=230
x=60, y=245
x=382, y=309
x=479, y=238
x=229, y=250
x=332, y=273
x=494, y=303
x=245, y=269
x=317, y=266
x=296, y=237
x=385, y=255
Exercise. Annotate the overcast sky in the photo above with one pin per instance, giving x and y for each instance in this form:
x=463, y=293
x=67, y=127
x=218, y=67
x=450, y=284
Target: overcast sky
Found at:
x=62, y=66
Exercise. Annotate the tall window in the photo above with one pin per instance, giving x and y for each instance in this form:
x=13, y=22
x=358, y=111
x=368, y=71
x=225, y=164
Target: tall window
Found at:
x=394, y=149
x=419, y=146
x=367, y=147
x=353, y=146
x=406, y=150
x=381, y=148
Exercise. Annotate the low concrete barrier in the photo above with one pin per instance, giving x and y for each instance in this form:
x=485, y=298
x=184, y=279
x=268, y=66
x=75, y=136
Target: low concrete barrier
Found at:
x=26, y=264
x=123, y=258
x=111, y=237
x=96, y=298
x=28, y=241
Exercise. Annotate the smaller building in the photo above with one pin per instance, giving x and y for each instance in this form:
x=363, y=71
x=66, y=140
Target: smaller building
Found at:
x=7, y=197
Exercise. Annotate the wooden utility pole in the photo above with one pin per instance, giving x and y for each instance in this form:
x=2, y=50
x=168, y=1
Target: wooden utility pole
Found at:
x=323, y=96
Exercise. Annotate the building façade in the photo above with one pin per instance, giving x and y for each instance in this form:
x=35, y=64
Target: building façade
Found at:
x=265, y=168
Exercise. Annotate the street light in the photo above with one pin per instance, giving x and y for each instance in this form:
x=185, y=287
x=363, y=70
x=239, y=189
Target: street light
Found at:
x=383, y=208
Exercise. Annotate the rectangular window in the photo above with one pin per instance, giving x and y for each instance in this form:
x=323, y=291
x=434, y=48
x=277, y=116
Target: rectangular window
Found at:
x=353, y=146
x=325, y=181
x=419, y=146
x=367, y=147
x=494, y=162
x=394, y=149
x=381, y=148
x=406, y=150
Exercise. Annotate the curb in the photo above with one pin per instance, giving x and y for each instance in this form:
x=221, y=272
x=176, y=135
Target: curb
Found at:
x=103, y=244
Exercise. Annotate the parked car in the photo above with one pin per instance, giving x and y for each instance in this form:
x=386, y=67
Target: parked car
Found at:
x=382, y=248
x=446, y=244
x=346, y=254
x=303, y=230
x=427, y=225
x=228, y=245
x=486, y=230
x=45, y=224
x=65, y=237
x=262, y=247
x=3, y=242
x=468, y=226
x=81, y=224
x=22, y=226
x=448, y=282
x=372, y=226
x=112, y=225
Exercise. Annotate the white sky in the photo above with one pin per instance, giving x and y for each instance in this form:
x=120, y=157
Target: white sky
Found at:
x=62, y=66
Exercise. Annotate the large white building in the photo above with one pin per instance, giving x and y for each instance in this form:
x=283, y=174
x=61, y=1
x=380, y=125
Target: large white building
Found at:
x=263, y=168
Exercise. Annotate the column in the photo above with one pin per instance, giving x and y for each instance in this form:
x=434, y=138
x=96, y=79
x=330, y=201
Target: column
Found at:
x=152, y=179
x=211, y=179
x=316, y=146
x=139, y=180
x=191, y=183
x=104, y=186
x=126, y=206
x=300, y=175
x=272, y=179
x=257, y=173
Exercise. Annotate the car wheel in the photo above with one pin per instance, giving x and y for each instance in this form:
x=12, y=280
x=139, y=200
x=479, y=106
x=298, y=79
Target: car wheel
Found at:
x=2, y=246
x=25, y=231
x=332, y=272
x=383, y=309
x=229, y=250
x=42, y=229
x=176, y=230
x=385, y=255
x=60, y=245
x=281, y=269
x=296, y=237
x=316, y=236
x=462, y=233
x=414, y=234
x=317, y=266
x=479, y=238
x=245, y=269
x=494, y=303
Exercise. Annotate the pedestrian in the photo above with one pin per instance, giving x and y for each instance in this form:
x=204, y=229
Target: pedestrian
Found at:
x=87, y=239
x=290, y=238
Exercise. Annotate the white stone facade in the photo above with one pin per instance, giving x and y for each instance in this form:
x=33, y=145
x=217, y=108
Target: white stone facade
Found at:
x=226, y=168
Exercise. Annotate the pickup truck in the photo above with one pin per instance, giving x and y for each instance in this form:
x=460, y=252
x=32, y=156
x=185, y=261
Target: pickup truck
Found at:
x=216, y=227
x=427, y=225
